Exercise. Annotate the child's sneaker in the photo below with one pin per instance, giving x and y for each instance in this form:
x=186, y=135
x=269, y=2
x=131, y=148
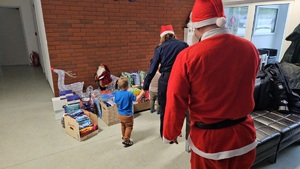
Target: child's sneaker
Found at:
x=128, y=143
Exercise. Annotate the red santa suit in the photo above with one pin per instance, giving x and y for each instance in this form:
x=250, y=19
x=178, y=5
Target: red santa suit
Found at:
x=214, y=79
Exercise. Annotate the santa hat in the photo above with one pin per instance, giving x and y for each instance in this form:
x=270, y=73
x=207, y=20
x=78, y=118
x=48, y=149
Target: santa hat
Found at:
x=165, y=29
x=208, y=12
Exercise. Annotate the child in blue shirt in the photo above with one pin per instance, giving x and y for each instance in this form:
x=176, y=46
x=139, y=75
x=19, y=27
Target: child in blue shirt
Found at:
x=124, y=100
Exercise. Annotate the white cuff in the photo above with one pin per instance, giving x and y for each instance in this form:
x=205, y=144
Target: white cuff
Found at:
x=166, y=140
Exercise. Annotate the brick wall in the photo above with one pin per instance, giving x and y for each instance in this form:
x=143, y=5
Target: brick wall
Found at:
x=82, y=34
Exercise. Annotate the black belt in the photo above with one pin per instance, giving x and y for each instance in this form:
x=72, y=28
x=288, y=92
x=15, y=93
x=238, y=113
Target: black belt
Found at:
x=221, y=124
x=165, y=73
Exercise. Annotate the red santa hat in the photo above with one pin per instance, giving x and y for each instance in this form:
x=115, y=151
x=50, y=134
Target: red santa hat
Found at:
x=165, y=29
x=208, y=12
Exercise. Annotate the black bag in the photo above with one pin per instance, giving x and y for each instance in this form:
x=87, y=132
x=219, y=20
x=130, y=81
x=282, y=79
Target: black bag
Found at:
x=291, y=75
x=274, y=92
x=271, y=92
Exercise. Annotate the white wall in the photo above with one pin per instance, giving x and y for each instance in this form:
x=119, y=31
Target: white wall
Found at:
x=43, y=41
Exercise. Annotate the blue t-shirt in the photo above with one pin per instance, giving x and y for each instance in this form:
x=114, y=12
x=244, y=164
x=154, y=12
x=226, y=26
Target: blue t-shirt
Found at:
x=124, y=100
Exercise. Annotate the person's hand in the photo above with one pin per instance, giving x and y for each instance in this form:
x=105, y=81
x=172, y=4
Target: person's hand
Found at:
x=143, y=92
x=141, y=95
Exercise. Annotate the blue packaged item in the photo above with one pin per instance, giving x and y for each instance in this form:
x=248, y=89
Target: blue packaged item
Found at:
x=64, y=94
x=76, y=113
x=82, y=117
x=73, y=99
x=71, y=108
x=136, y=79
x=98, y=107
x=107, y=96
x=85, y=124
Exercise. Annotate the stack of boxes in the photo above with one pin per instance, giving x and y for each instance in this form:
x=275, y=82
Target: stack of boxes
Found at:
x=62, y=105
x=72, y=126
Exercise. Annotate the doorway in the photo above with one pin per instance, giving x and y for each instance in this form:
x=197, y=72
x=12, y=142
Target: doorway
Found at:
x=268, y=28
x=13, y=49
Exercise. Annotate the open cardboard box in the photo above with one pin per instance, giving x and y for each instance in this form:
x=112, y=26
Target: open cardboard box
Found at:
x=141, y=106
x=72, y=127
x=109, y=114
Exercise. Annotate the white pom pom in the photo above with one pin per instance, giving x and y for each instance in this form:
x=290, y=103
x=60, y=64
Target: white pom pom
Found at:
x=221, y=22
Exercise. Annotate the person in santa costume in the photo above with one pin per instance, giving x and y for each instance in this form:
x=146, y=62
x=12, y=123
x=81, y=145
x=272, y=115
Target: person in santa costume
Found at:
x=214, y=80
x=164, y=55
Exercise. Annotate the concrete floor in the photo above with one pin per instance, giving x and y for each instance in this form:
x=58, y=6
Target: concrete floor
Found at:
x=31, y=137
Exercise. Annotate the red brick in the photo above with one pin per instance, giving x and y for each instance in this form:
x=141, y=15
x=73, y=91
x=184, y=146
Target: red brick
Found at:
x=82, y=34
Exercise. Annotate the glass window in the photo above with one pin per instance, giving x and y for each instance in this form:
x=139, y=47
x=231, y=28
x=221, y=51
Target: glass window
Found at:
x=236, y=20
x=266, y=34
x=265, y=20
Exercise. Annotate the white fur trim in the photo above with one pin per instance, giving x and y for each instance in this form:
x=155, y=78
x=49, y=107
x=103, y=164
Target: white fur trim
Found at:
x=166, y=140
x=189, y=25
x=221, y=22
x=223, y=154
x=166, y=32
x=210, y=21
x=214, y=32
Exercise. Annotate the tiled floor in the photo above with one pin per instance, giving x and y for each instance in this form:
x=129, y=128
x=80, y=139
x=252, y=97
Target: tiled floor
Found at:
x=31, y=138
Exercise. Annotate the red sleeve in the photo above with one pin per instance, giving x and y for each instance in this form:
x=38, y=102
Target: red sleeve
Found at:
x=177, y=98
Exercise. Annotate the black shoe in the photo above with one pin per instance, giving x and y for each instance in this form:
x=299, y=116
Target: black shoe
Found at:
x=128, y=143
x=152, y=111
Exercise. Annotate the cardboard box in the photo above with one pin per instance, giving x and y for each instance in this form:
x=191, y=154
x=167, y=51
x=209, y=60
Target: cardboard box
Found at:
x=72, y=127
x=141, y=106
x=109, y=114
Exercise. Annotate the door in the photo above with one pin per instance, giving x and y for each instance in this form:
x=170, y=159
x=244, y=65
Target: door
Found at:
x=268, y=29
x=261, y=23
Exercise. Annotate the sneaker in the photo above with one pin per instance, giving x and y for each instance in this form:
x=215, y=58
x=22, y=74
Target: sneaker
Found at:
x=152, y=111
x=128, y=143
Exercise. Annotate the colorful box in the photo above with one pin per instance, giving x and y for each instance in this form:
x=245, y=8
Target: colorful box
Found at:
x=72, y=127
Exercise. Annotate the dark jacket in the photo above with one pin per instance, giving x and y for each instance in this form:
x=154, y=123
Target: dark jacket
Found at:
x=165, y=54
x=292, y=54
